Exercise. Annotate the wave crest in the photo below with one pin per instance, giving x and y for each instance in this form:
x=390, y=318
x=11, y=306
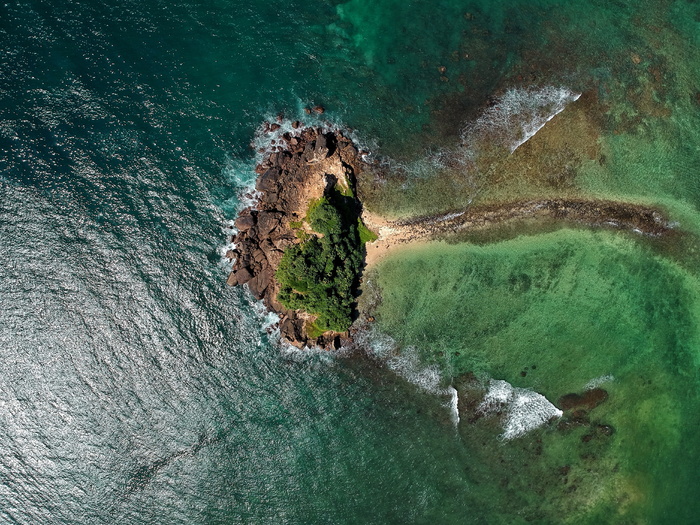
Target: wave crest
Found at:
x=517, y=115
x=524, y=410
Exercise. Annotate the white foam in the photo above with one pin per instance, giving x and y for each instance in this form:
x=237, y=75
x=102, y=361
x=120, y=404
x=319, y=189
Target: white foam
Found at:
x=405, y=362
x=407, y=365
x=454, y=404
x=446, y=217
x=315, y=356
x=596, y=382
x=524, y=410
x=518, y=115
x=266, y=141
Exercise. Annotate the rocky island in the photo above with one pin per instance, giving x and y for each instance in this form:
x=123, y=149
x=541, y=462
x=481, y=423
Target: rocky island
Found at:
x=299, y=248
x=302, y=246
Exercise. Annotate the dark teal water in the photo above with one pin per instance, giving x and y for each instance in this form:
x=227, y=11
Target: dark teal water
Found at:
x=134, y=386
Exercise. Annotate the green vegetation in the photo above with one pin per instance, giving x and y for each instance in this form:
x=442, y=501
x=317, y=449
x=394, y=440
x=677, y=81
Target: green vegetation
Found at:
x=320, y=275
x=313, y=331
x=366, y=235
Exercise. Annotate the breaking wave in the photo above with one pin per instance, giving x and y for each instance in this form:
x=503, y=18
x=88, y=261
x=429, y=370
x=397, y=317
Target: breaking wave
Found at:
x=406, y=363
x=518, y=115
x=523, y=410
x=508, y=123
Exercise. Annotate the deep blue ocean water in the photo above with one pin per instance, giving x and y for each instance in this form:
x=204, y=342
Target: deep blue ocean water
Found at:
x=135, y=387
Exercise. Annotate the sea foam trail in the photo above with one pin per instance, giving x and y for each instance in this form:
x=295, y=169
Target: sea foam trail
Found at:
x=524, y=409
x=518, y=115
x=596, y=382
x=514, y=118
x=454, y=404
x=407, y=364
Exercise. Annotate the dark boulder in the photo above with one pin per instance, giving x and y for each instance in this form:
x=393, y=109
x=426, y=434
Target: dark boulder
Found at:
x=260, y=282
x=240, y=276
x=267, y=221
x=318, y=150
x=292, y=329
x=243, y=275
x=244, y=222
x=259, y=256
x=588, y=400
x=268, y=181
x=271, y=198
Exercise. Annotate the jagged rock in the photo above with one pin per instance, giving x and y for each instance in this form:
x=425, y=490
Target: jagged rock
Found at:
x=281, y=242
x=274, y=257
x=317, y=150
x=271, y=198
x=267, y=221
x=321, y=147
x=268, y=181
x=292, y=329
x=244, y=222
x=260, y=282
x=259, y=255
x=243, y=275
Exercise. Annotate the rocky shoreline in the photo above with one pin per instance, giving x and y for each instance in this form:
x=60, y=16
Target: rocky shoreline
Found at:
x=304, y=164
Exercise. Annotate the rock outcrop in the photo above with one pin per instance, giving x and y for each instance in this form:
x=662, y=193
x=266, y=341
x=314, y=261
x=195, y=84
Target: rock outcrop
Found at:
x=304, y=162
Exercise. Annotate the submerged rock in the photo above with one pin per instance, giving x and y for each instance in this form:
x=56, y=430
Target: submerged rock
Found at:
x=588, y=400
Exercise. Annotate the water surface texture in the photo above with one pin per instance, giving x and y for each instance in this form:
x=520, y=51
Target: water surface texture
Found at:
x=135, y=387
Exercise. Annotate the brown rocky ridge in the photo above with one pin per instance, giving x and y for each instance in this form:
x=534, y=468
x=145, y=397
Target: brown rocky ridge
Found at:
x=306, y=162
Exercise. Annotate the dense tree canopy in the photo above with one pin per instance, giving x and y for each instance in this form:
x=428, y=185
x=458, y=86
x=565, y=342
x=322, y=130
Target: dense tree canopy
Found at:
x=320, y=275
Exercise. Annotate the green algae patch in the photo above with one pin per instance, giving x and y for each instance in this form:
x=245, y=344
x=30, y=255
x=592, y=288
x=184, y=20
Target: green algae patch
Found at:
x=556, y=313
x=366, y=235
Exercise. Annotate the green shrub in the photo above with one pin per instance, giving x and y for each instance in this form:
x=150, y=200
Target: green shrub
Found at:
x=321, y=274
x=366, y=235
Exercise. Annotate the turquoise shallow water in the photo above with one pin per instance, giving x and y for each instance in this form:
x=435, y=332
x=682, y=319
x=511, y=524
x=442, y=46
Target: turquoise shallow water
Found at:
x=136, y=388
